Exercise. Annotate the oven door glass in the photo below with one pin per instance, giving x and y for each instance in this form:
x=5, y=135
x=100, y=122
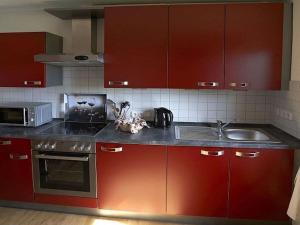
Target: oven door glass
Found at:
x=12, y=116
x=64, y=172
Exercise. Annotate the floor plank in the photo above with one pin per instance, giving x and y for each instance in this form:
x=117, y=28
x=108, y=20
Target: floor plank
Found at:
x=13, y=216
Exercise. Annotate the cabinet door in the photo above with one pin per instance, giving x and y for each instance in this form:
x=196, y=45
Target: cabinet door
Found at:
x=132, y=178
x=253, y=46
x=197, y=181
x=260, y=183
x=196, y=46
x=5, y=168
x=136, y=41
x=16, y=170
x=17, y=66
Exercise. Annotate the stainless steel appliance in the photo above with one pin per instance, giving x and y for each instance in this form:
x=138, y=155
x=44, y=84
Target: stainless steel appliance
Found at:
x=64, y=167
x=162, y=117
x=84, y=47
x=64, y=161
x=27, y=114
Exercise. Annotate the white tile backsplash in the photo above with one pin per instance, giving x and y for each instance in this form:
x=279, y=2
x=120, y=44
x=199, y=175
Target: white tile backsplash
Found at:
x=186, y=105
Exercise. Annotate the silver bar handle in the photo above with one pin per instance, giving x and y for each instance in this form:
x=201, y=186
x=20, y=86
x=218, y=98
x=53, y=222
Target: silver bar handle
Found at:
x=18, y=157
x=67, y=158
x=212, y=153
x=5, y=142
x=121, y=83
x=247, y=154
x=243, y=85
x=25, y=116
x=117, y=149
x=232, y=84
x=208, y=84
x=33, y=82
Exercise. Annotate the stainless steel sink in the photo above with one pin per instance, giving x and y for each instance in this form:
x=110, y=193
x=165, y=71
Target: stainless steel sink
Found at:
x=202, y=133
x=196, y=133
x=246, y=135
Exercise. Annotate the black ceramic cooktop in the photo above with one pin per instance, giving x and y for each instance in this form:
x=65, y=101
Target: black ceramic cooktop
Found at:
x=75, y=128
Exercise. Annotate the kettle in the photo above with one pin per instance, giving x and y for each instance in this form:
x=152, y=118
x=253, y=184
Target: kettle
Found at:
x=162, y=117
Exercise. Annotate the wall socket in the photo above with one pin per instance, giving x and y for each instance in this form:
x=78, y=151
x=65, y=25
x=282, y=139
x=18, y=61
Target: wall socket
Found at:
x=284, y=114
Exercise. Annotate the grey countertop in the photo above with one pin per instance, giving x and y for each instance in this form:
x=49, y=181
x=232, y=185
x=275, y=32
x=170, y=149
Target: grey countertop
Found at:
x=156, y=136
x=166, y=136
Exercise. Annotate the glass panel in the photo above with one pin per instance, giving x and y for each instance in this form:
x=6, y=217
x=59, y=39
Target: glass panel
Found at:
x=64, y=175
x=11, y=115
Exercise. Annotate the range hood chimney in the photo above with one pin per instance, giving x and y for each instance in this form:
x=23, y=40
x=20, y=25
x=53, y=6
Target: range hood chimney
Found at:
x=84, y=47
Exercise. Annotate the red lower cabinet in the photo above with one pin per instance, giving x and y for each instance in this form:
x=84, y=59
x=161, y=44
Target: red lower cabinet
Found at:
x=260, y=183
x=132, y=177
x=197, y=181
x=15, y=170
x=66, y=200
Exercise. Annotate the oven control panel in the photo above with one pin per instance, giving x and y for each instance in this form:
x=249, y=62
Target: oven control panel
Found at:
x=63, y=146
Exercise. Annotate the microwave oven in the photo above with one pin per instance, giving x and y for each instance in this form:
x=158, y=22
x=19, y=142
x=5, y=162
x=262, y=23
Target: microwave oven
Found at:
x=27, y=114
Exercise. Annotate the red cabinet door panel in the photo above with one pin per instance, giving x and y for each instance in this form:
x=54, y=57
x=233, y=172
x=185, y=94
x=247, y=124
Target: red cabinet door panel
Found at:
x=260, y=187
x=197, y=183
x=16, y=170
x=66, y=200
x=17, y=59
x=253, y=45
x=196, y=46
x=136, y=41
x=132, y=179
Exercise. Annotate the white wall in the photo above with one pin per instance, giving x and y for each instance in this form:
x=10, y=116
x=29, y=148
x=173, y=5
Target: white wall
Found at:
x=37, y=20
x=296, y=42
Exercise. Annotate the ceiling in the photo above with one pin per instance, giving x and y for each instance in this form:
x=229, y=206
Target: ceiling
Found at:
x=42, y=4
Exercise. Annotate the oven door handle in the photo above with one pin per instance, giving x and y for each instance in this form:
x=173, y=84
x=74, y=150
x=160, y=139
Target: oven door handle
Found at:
x=69, y=158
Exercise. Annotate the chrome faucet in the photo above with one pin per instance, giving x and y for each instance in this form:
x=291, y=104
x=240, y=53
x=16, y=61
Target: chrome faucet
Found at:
x=221, y=126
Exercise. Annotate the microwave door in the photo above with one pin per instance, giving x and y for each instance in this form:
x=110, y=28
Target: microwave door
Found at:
x=13, y=116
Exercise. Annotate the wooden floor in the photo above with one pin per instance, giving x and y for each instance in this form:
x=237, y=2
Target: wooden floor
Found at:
x=12, y=216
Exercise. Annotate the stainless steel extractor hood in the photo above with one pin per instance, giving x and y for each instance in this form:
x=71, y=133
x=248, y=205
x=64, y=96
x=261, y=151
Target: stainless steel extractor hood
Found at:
x=84, y=47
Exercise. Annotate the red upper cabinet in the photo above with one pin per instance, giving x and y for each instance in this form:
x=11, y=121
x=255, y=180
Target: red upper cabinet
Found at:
x=196, y=46
x=15, y=170
x=136, y=41
x=197, y=181
x=253, y=46
x=260, y=183
x=17, y=65
x=132, y=177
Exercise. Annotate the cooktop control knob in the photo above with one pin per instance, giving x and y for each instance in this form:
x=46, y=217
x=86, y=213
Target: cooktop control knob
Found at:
x=88, y=148
x=52, y=146
x=74, y=147
x=39, y=145
x=81, y=148
x=46, y=146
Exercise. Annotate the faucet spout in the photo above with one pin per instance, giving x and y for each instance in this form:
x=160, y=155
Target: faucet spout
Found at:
x=221, y=126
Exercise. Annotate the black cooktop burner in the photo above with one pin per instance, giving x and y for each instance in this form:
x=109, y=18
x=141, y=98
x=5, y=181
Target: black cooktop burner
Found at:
x=74, y=128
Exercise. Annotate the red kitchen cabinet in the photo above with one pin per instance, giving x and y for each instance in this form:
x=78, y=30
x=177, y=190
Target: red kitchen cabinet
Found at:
x=17, y=65
x=197, y=181
x=260, y=183
x=131, y=177
x=15, y=170
x=253, y=46
x=136, y=45
x=196, y=46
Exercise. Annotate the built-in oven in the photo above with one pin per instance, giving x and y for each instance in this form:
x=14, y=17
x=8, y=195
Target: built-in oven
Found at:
x=65, y=173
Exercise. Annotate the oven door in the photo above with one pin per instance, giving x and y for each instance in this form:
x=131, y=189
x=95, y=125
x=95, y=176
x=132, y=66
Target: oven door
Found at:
x=14, y=116
x=71, y=174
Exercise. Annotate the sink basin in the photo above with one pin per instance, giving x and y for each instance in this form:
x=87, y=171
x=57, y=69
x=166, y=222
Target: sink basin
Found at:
x=246, y=135
x=195, y=133
x=203, y=133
